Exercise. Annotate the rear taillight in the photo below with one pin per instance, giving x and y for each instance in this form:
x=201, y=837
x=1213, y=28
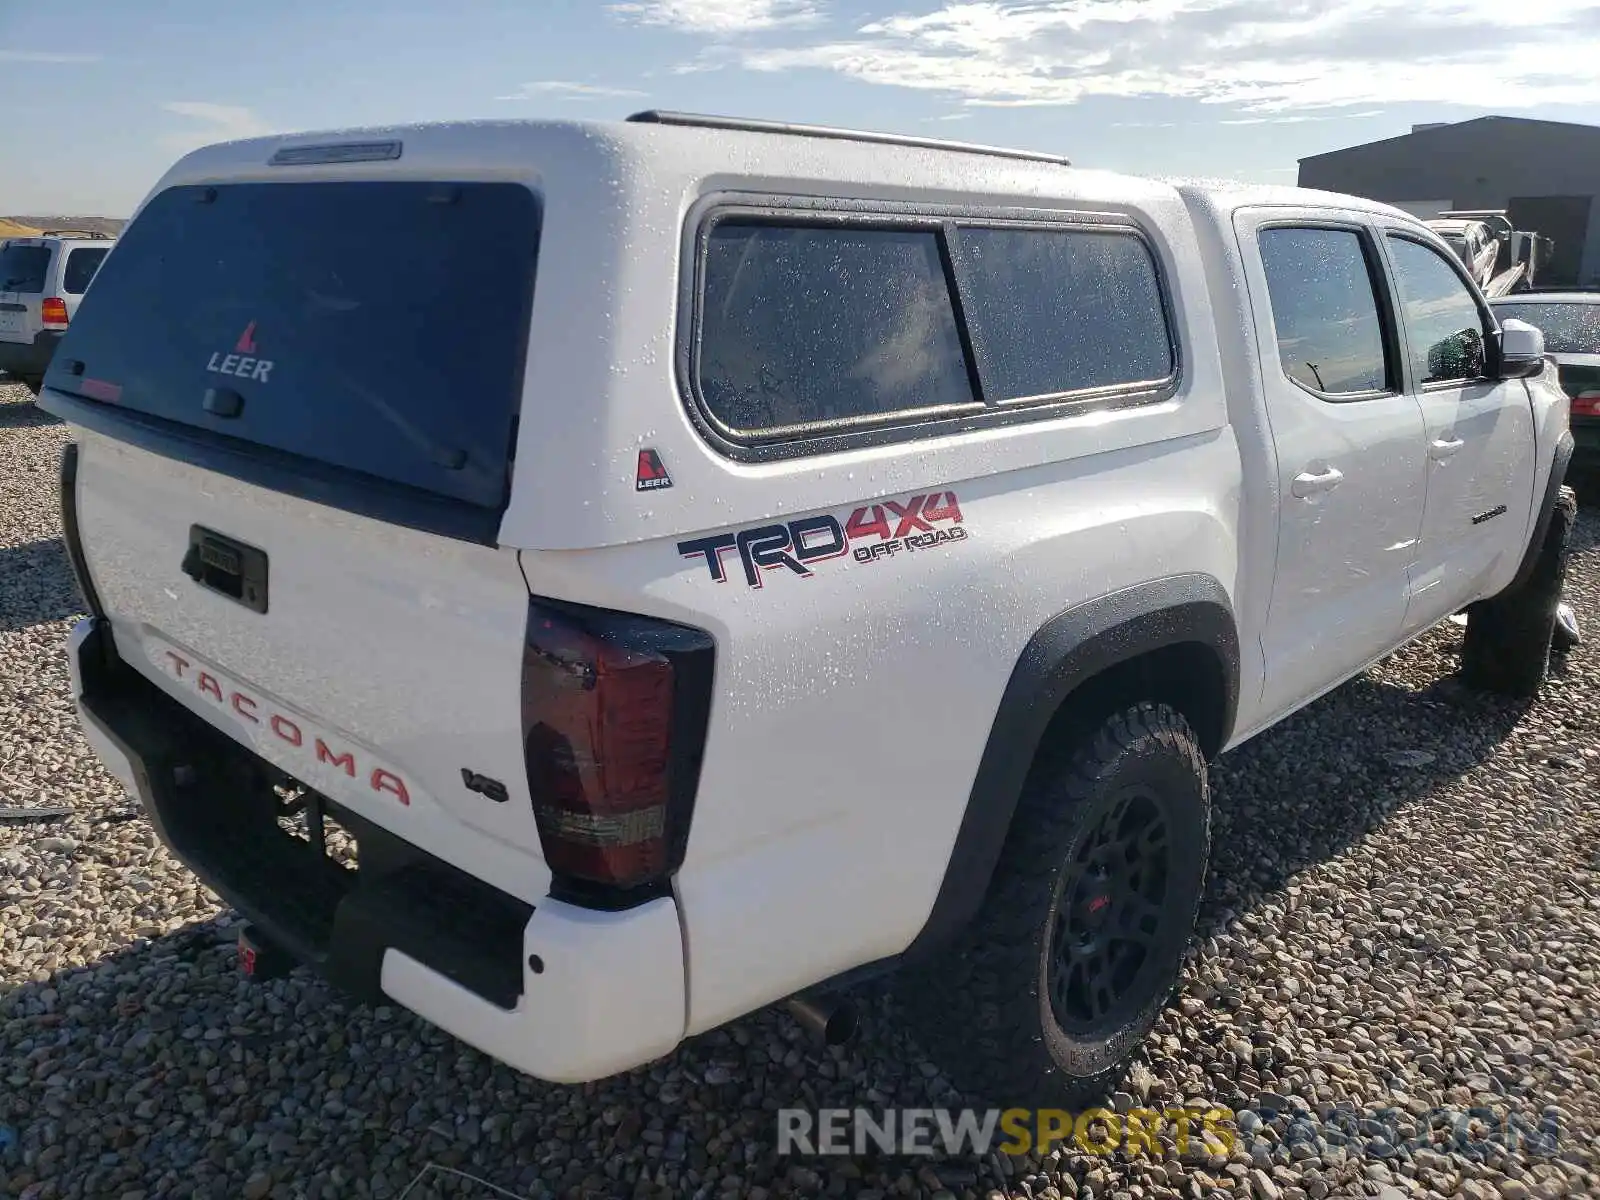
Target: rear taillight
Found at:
x=614, y=711
x=53, y=311
x=1586, y=404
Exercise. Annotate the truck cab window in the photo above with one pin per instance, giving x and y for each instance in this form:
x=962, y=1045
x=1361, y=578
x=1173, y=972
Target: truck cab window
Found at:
x=1324, y=310
x=1444, y=326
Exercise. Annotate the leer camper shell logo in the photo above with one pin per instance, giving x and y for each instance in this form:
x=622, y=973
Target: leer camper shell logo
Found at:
x=244, y=362
x=651, y=474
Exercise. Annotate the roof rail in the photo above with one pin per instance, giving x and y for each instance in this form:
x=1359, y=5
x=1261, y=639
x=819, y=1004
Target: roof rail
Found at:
x=86, y=233
x=656, y=116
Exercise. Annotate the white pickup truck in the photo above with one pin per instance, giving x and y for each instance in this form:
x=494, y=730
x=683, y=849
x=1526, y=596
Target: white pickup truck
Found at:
x=699, y=563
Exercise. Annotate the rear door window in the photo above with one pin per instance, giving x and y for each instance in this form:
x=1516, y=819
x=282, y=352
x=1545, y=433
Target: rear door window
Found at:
x=23, y=269
x=375, y=326
x=1321, y=286
x=80, y=269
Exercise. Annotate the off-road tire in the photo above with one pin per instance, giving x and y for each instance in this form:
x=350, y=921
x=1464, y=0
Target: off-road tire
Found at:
x=983, y=1009
x=1509, y=637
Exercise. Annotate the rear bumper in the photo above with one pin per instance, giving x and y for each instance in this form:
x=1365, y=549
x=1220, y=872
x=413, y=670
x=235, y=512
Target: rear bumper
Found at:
x=563, y=993
x=28, y=358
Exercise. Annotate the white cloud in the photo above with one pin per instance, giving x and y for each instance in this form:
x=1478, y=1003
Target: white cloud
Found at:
x=46, y=56
x=1263, y=55
x=721, y=17
x=567, y=91
x=218, y=123
x=1303, y=118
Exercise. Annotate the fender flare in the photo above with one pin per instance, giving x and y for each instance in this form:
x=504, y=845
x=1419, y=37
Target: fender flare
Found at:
x=1560, y=461
x=1070, y=649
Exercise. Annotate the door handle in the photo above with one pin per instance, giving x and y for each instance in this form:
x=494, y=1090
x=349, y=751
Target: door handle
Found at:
x=1308, y=484
x=1442, y=448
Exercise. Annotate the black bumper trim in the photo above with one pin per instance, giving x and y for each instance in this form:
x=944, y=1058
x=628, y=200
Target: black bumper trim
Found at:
x=29, y=360
x=221, y=822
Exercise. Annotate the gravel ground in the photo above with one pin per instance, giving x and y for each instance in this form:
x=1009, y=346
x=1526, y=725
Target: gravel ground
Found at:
x=1404, y=912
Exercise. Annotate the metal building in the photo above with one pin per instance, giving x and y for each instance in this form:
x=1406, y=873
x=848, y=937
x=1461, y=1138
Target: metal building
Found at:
x=1545, y=173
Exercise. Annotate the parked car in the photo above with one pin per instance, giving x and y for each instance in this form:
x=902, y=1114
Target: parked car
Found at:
x=1570, y=322
x=42, y=281
x=1474, y=244
x=847, y=560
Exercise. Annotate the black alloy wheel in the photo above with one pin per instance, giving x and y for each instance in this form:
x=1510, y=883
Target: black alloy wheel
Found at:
x=1111, y=914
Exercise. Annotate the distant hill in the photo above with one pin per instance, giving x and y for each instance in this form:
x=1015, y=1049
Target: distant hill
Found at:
x=23, y=226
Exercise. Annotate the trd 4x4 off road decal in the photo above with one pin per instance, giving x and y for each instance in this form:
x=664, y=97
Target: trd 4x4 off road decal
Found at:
x=870, y=533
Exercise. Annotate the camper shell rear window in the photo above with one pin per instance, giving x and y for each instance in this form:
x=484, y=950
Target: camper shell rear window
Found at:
x=375, y=327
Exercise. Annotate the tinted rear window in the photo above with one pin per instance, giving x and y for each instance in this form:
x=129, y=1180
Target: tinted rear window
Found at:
x=374, y=326
x=1061, y=310
x=23, y=268
x=1567, y=328
x=80, y=269
x=802, y=325
x=1325, y=310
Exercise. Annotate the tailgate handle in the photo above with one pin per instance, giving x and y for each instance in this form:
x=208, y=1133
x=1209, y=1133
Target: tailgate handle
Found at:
x=223, y=402
x=228, y=567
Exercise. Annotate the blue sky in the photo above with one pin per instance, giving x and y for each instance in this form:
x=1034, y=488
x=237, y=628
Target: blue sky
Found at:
x=97, y=98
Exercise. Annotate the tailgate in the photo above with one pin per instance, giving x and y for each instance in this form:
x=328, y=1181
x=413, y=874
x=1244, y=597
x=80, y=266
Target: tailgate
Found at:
x=296, y=404
x=16, y=318
x=386, y=660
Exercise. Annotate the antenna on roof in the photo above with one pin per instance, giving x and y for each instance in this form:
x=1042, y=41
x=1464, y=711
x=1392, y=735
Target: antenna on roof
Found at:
x=696, y=120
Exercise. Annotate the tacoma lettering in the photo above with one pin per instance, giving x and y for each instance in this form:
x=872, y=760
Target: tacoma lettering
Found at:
x=287, y=730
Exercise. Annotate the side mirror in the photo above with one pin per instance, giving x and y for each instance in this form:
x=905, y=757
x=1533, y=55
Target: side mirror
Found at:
x=1459, y=356
x=1521, y=349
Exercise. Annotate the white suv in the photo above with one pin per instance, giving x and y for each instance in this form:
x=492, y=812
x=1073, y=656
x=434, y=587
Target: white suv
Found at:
x=775, y=555
x=42, y=280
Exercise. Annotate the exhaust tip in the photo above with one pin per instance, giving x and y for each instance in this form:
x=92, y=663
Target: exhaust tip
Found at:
x=829, y=1020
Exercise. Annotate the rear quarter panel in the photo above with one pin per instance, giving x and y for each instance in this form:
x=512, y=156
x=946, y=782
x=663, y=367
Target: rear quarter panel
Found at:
x=852, y=706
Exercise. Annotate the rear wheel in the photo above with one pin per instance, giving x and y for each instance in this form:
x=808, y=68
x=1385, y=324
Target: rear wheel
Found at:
x=1049, y=994
x=1509, y=637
